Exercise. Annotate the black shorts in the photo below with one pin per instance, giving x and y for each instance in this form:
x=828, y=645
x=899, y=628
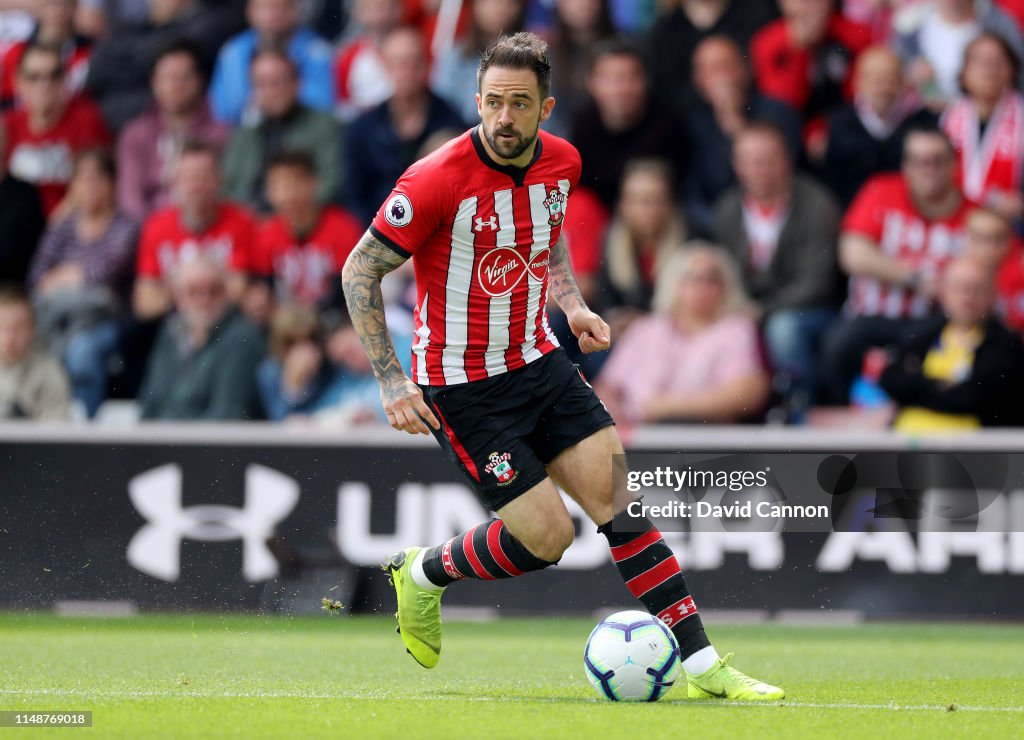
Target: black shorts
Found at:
x=504, y=430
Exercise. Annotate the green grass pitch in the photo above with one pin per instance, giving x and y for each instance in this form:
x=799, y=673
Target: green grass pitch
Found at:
x=232, y=676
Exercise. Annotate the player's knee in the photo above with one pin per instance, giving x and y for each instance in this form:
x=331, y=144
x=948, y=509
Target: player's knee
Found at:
x=554, y=541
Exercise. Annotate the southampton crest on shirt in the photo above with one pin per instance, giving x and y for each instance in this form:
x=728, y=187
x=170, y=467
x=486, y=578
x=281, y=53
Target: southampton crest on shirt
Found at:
x=555, y=203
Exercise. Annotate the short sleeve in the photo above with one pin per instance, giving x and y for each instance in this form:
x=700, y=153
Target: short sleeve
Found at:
x=866, y=214
x=412, y=212
x=147, y=263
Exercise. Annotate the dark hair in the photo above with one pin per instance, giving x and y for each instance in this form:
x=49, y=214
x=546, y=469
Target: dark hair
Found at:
x=279, y=54
x=1004, y=46
x=923, y=128
x=653, y=166
x=185, y=47
x=522, y=50
x=38, y=48
x=198, y=146
x=103, y=158
x=617, y=46
x=293, y=159
x=12, y=294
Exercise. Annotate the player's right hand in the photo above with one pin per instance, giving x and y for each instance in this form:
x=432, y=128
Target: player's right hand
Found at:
x=405, y=408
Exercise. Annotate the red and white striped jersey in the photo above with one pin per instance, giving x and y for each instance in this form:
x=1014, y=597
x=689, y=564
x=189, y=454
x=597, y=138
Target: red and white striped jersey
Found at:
x=480, y=235
x=884, y=212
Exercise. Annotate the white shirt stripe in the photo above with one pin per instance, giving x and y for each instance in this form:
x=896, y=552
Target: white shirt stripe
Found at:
x=457, y=287
x=500, y=308
x=419, y=349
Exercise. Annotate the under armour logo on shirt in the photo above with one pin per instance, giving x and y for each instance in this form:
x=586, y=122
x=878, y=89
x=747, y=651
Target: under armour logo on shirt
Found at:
x=491, y=223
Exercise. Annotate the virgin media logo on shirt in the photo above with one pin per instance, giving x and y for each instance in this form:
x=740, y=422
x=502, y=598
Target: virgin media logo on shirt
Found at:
x=42, y=163
x=501, y=269
x=171, y=254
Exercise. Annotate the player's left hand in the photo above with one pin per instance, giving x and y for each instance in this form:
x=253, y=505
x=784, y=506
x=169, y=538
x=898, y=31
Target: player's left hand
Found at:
x=591, y=330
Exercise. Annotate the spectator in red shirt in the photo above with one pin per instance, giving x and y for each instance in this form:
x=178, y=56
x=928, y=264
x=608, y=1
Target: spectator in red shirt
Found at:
x=200, y=223
x=55, y=26
x=301, y=249
x=986, y=125
x=151, y=144
x=46, y=132
x=806, y=59
x=895, y=241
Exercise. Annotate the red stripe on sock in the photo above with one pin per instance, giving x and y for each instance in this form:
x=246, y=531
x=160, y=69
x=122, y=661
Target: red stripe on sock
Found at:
x=448, y=563
x=678, y=612
x=494, y=546
x=653, y=577
x=478, y=567
x=630, y=549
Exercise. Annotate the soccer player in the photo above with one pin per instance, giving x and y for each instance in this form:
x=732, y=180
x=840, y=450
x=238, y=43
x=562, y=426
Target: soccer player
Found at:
x=482, y=218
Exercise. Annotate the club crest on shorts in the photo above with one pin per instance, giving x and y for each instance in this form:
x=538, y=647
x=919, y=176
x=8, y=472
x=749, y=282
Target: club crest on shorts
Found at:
x=555, y=203
x=498, y=464
x=398, y=210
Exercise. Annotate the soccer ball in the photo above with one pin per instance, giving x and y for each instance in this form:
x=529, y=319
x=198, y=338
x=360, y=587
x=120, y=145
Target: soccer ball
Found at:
x=631, y=656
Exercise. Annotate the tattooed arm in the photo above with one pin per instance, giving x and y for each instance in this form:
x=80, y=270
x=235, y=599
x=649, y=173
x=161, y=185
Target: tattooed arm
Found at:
x=402, y=399
x=591, y=330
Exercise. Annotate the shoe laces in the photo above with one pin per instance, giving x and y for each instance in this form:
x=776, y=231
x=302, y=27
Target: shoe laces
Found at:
x=737, y=675
x=426, y=602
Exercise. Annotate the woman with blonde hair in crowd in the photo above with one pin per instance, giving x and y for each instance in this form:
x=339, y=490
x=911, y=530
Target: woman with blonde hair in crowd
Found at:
x=697, y=357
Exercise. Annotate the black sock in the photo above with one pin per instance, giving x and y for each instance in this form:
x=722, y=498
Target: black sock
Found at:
x=487, y=551
x=652, y=574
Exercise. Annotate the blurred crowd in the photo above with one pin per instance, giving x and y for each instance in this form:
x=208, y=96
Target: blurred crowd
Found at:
x=806, y=211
